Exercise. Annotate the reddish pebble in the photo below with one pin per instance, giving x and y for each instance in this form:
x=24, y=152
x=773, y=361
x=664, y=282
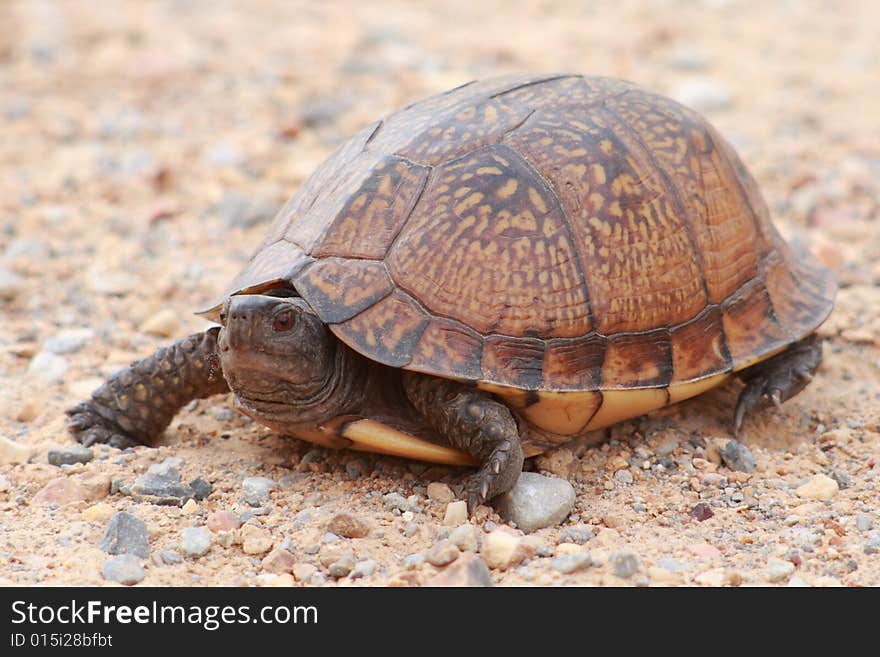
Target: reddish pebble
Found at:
x=225, y=521
x=61, y=491
x=701, y=512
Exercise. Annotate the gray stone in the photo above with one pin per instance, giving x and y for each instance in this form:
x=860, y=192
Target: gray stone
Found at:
x=224, y=155
x=170, y=557
x=413, y=561
x=738, y=457
x=468, y=570
x=863, y=522
x=161, y=484
x=70, y=455
x=364, y=568
x=11, y=285
x=195, y=541
x=256, y=490
x=341, y=567
x=570, y=563
x=465, y=537
x=442, y=554
x=48, y=367
x=68, y=341
x=624, y=477
x=778, y=570
x=578, y=534
x=126, y=534
x=201, y=488
x=239, y=211
x=703, y=94
x=536, y=501
x=396, y=501
x=672, y=565
x=124, y=569
x=624, y=564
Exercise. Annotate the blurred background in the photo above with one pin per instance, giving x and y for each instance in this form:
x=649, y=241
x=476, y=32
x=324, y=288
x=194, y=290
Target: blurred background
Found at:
x=146, y=143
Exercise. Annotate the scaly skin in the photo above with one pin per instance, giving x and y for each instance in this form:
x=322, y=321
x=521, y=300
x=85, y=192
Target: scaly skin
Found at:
x=779, y=378
x=473, y=421
x=135, y=405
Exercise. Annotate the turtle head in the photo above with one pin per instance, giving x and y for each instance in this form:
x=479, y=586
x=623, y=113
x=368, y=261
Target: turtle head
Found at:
x=276, y=354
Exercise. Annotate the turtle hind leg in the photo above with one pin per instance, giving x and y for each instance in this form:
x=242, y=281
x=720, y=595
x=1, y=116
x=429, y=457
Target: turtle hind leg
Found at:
x=473, y=421
x=778, y=379
x=136, y=404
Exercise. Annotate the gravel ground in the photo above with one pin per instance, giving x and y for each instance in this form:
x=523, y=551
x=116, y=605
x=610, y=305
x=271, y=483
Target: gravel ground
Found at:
x=143, y=149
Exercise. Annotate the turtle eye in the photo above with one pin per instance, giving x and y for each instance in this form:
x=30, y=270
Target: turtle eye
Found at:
x=283, y=321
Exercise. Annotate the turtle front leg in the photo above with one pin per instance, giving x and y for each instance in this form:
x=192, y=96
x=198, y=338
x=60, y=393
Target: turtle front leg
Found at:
x=473, y=421
x=135, y=405
x=779, y=378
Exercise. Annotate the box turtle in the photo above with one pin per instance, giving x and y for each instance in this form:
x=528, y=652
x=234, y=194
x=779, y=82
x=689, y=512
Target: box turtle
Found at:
x=491, y=272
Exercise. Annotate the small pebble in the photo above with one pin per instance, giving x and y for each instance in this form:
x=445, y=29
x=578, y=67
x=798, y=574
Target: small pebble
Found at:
x=465, y=537
x=255, y=540
x=124, y=569
x=164, y=324
x=364, y=568
x=190, y=507
x=819, y=487
x=442, y=554
x=624, y=477
x=256, y=490
x=278, y=560
x=342, y=567
x=456, y=514
x=303, y=572
x=240, y=211
x=701, y=512
x=863, y=522
x=61, y=491
x=223, y=521
x=396, y=501
x=348, y=526
x=68, y=341
x=624, y=564
x=161, y=484
x=48, y=367
x=413, y=561
x=12, y=452
x=570, y=563
x=195, y=541
x=440, y=492
x=126, y=534
x=100, y=512
x=703, y=94
x=536, y=501
x=468, y=570
x=70, y=455
x=170, y=557
x=778, y=570
x=355, y=469
x=578, y=534
x=11, y=285
x=738, y=457
x=502, y=549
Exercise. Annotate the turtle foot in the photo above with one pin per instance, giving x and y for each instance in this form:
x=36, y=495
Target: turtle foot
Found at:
x=777, y=379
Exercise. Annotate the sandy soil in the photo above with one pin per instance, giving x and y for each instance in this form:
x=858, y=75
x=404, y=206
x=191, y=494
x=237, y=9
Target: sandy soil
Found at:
x=144, y=147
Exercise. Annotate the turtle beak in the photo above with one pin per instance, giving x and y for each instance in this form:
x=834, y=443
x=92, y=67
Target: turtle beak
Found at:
x=245, y=320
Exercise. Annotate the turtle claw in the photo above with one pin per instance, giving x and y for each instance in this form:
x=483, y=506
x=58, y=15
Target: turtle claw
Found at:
x=89, y=427
x=778, y=379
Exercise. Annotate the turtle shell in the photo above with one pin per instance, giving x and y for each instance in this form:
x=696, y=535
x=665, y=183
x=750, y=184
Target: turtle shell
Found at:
x=564, y=239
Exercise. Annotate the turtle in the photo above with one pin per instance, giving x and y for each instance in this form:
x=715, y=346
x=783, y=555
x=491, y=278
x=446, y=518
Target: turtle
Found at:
x=493, y=272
